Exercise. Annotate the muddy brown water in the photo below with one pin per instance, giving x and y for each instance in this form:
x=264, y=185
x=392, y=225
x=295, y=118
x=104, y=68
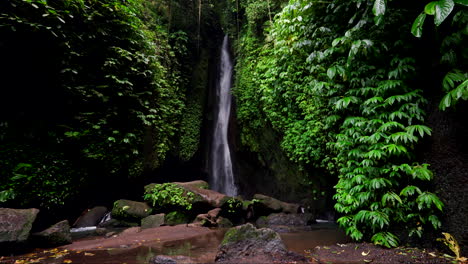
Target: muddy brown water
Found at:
x=200, y=248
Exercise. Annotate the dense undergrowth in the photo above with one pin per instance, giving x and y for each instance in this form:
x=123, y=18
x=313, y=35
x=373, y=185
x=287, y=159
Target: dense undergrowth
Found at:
x=93, y=91
x=343, y=83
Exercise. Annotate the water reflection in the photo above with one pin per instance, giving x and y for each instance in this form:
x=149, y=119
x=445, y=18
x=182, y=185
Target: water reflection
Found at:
x=200, y=249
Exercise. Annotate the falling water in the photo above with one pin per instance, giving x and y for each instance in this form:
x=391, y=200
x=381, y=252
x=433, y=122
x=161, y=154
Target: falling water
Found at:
x=222, y=177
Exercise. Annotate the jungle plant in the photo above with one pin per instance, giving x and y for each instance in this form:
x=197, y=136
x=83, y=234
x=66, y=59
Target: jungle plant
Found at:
x=168, y=195
x=453, y=52
x=233, y=205
x=335, y=82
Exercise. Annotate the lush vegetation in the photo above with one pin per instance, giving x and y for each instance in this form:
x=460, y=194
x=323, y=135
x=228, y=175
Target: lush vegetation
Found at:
x=167, y=195
x=92, y=88
x=341, y=81
x=99, y=91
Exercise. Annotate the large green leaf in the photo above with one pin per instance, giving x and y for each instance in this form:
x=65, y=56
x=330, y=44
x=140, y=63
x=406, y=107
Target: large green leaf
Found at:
x=379, y=7
x=430, y=8
x=443, y=8
x=416, y=29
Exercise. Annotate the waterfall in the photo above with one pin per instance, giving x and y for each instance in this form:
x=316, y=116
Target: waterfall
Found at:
x=222, y=177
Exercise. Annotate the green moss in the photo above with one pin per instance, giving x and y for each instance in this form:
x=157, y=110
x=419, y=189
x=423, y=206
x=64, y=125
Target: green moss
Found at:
x=176, y=218
x=239, y=233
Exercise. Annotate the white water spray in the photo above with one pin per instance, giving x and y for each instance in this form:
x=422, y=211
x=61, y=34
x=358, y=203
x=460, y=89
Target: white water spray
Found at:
x=222, y=177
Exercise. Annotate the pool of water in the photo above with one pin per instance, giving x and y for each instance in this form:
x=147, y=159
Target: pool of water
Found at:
x=200, y=249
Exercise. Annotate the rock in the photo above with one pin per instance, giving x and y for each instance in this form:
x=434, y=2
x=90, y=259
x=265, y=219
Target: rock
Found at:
x=202, y=196
x=130, y=210
x=268, y=202
x=214, y=213
x=273, y=205
x=262, y=221
x=162, y=259
x=89, y=231
x=290, y=208
x=117, y=223
x=176, y=218
x=91, y=218
x=56, y=235
x=223, y=222
x=282, y=223
x=194, y=184
x=244, y=244
x=289, y=219
x=15, y=224
x=209, y=219
x=153, y=221
x=205, y=220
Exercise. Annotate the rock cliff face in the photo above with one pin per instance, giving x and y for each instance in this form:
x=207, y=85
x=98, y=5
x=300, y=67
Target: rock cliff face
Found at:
x=447, y=153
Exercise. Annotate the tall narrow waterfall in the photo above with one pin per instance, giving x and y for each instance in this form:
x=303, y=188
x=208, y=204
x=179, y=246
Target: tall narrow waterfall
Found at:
x=222, y=177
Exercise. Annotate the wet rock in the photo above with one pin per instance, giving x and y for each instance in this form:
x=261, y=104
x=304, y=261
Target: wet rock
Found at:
x=202, y=199
x=15, y=224
x=246, y=244
x=204, y=220
x=176, y=218
x=214, y=213
x=91, y=217
x=289, y=219
x=56, y=235
x=130, y=210
x=153, y=221
x=117, y=223
x=223, y=222
x=162, y=259
x=209, y=219
x=89, y=231
x=282, y=223
x=15, y=227
x=194, y=184
x=270, y=204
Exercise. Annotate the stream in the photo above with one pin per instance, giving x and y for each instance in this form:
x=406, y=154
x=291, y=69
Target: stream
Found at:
x=200, y=248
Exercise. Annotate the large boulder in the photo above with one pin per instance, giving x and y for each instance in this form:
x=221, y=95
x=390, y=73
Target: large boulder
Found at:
x=56, y=235
x=152, y=221
x=15, y=224
x=267, y=203
x=247, y=244
x=203, y=199
x=91, y=218
x=130, y=210
x=289, y=219
x=194, y=184
x=281, y=222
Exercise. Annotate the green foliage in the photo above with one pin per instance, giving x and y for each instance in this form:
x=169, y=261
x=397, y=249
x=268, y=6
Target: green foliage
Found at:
x=105, y=89
x=167, y=195
x=336, y=81
x=45, y=180
x=233, y=205
x=454, y=53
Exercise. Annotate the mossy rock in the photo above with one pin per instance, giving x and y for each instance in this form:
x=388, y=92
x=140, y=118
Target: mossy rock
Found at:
x=249, y=232
x=262, y=221
x=153, y=221
x=56, y=235
x=176, y=218
x=224, y=222
x=130, y=210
